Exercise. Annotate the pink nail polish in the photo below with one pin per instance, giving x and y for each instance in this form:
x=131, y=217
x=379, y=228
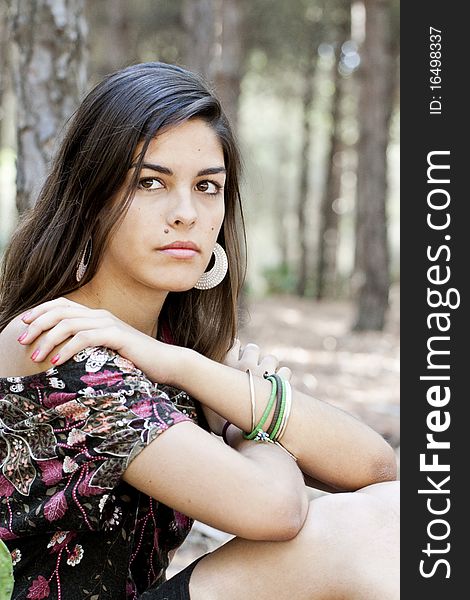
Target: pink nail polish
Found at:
x=26, y=315
x=22, y=336
x=34, y=355
x=55, y=358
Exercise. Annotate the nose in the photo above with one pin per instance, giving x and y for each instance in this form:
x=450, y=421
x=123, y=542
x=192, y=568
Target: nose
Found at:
x=182, y=210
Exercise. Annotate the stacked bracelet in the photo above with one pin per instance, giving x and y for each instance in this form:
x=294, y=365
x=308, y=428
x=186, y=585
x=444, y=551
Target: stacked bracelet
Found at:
x=287, y=409
x=252, y=398
x=279, y=419
x=281, y=392
x=277, y=411
x=257, y=432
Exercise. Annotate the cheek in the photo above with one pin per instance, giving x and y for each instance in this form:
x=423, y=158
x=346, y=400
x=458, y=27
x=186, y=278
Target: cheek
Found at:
x=140, y=222
x=214, y=229
x=124, y=237
x=212, y=224
x=218, y=218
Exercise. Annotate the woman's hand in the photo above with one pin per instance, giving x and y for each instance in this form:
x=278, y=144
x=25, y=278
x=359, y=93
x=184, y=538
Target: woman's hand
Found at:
x=58, y=329
x=249, y=358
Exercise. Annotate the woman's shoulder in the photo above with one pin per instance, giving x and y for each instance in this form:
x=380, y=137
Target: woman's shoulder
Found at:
x=15, y=358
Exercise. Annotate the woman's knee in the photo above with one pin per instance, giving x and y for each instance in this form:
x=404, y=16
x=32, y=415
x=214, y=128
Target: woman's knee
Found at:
x=353, y=516
x=388, y=492
x=358, y=534
x=344, y=540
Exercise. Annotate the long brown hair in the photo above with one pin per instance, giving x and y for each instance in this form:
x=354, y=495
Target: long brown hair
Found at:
x=128, y=107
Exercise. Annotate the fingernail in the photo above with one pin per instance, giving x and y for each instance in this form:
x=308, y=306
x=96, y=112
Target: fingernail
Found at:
x=26, y=315
x=34, y=355
x=55, y=358
x=22, y=336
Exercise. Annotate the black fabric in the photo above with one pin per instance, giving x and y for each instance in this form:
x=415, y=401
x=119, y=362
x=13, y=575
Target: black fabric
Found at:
x=75, y=530
x=175, y=588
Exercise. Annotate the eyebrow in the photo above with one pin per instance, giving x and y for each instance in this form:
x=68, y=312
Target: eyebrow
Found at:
x=167, y=171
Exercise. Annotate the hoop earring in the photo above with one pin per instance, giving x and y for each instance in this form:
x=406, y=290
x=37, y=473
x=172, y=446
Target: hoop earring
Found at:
x=213, y=277
x=84, y=261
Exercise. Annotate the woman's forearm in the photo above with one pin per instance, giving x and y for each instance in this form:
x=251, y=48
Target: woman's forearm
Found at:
x=331, y=445
x=275, y=463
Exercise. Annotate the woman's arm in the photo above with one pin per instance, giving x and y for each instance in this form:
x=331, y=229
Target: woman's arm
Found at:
x=331, y=445
x=250, y=357
x=256, y=492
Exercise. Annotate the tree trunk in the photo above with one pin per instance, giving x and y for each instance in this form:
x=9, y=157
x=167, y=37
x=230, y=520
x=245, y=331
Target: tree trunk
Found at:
x=117, y=32
x=372, y=256
x=281, y=207
x=214, y=48
x=5, y=124
x=5, y=78
x=307, y=102
x=49, y=72
x=3, y=59
x=199, y=21
x=328, y=234
x=229, y=58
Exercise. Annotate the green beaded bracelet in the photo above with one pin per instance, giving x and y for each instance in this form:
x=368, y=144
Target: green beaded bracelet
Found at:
x=258, y=430
x=278, y=413
x=282, y=411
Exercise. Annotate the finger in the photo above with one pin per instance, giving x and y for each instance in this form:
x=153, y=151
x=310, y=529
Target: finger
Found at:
x=50, y=319
x=285, y=373
x=35, y=312
x=108, y=337
x=249, y=357
x=268, y=365
x=64, y=330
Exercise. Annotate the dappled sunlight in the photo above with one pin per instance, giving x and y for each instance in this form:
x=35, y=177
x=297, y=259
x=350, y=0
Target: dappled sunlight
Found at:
x=290, y=316
x=358, y=372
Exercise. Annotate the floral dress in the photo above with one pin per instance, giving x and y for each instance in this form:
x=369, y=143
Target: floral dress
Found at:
x=74, y=528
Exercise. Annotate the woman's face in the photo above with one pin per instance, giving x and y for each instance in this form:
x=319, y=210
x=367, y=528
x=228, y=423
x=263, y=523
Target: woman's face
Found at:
x=180, y=198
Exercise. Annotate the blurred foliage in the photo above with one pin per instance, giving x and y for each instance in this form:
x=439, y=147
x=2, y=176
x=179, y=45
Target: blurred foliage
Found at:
x=6, y=573
x=279, y=39
x=280, y=279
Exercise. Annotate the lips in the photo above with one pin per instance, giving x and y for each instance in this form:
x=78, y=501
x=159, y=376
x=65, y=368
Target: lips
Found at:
x=181, y=246
x=180, y=249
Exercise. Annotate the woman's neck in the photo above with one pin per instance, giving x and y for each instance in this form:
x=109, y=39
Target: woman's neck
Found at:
x=138, y=309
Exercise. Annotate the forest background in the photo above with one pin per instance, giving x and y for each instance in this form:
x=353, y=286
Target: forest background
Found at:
x=311, y=88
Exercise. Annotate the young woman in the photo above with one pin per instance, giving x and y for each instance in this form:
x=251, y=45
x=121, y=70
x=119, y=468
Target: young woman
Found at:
x=119, y=361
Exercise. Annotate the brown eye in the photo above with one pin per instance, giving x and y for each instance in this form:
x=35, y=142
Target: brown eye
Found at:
x=150, y=183
x=210, y=187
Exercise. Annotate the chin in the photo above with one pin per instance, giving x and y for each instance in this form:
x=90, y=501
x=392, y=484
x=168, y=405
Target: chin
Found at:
x=180, y=287
x=169, y=283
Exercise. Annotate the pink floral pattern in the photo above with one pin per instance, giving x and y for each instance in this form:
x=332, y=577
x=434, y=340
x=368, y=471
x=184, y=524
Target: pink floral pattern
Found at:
x=74, y=528
x=39, y=588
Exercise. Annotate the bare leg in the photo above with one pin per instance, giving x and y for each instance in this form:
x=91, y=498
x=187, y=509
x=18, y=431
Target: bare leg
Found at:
x=348, y=549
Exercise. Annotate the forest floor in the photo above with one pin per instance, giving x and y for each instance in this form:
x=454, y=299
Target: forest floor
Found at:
x=358, y=372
